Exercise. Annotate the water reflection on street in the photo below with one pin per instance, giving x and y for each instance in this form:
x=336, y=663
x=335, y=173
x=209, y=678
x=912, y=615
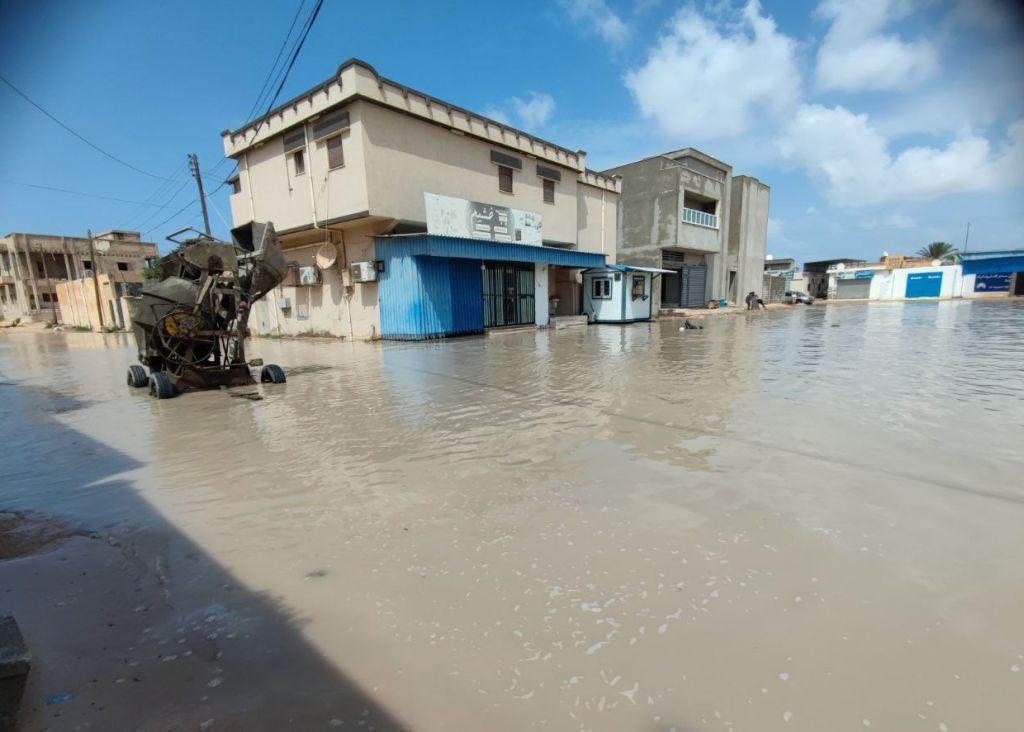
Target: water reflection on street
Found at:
x=805, y=519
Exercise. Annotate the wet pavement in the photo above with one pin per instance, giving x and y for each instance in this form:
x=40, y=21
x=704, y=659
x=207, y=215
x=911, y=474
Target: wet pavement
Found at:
x=800, y=519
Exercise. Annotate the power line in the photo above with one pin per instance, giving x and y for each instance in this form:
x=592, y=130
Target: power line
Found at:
x=295, y=54
x=193, y=202
x=79, y=193
x=283, y=74
x=94, y=146
x=167, y=204
x=270, y=74
x=161, y=189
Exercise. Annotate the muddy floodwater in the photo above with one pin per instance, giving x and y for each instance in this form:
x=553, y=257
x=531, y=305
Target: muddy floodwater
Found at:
x=809, y=518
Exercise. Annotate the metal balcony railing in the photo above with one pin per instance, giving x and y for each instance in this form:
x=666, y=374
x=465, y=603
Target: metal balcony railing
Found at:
x=700, y=218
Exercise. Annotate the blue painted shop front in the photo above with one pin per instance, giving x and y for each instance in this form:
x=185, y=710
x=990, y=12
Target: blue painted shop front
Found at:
x=1001, y=271
x=434, y=286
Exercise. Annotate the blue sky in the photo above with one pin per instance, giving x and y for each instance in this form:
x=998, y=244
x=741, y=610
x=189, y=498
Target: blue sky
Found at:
x=880, y=125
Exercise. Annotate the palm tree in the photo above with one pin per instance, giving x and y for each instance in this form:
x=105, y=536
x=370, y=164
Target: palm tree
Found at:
x=937, y=250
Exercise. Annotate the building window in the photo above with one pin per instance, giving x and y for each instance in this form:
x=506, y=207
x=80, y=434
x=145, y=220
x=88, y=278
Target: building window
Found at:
x=86, y=264
x=504, y=179
x=549, y=190
x=299, y=160
x=122, y=266
x=638, y=287
x=40, y=268
x=236, y=185
x=601, y=288
x=335, y=153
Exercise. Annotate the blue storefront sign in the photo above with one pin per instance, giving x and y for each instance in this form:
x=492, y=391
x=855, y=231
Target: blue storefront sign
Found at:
x=992, y=282
x=924, y=284
x=861, y=274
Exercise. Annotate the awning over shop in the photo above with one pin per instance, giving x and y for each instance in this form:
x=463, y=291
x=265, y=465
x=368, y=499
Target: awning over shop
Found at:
x=428, y=245
x=633, y=268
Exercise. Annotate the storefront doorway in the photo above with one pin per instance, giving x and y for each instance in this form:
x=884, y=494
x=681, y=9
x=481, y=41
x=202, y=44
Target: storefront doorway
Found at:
x=508, y=294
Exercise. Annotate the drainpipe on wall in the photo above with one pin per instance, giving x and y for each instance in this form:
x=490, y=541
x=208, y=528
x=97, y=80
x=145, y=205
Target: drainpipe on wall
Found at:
x=309, y=155
x=602, y=221
x=248, y=186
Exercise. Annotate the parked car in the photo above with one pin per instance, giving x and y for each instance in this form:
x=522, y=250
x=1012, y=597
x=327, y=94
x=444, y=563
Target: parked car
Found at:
x=795, y=297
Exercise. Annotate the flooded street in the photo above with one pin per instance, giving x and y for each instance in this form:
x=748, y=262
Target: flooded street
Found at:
x=804, y=519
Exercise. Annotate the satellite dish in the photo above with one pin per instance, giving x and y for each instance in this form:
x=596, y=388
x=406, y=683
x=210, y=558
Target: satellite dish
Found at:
x=936, y=262
x=101, y=245
x=885, y=254
x=326, y=255
x=841, y=266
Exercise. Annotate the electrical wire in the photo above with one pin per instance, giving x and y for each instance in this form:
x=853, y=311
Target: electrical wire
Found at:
x=193, y=202
x=282, y=75
x=166, y=205
x=270, y=74
x=93, y=145
x=161, y=190
x=80, y=193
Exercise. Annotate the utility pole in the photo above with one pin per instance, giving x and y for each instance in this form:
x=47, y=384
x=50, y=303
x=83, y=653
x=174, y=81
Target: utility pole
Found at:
x=193, y=163
x=95, y=279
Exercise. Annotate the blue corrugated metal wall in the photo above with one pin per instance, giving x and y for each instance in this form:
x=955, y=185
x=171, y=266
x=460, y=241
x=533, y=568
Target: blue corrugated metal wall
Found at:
x=431, y=286
x=429, y=297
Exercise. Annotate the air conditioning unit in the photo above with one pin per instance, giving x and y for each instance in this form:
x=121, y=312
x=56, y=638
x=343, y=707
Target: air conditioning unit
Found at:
x=309, y=276
x=284, y=303
x=364, y=271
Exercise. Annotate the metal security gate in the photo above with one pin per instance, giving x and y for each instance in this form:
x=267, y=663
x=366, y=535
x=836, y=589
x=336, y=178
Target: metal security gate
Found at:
x=693, y=286
x=853, y=289
x=508, y=291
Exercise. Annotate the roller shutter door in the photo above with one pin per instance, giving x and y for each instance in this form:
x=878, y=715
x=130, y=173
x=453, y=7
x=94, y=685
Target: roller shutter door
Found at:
x=694, y=286
x=853, y=289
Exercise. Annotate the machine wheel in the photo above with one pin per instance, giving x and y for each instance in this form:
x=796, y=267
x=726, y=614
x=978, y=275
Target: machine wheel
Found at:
x=137, y=376
x=272, y=374
x=160, y=385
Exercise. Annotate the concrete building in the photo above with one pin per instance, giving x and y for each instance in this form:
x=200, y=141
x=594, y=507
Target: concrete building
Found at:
x=883, y=281
x=31, y=266
x=748, y=236
x=778, y=278
x=816, y=274
x=677, y=211
x=360, y=156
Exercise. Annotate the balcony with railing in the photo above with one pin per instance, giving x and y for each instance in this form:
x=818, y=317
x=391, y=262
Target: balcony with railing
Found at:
x=700, y=218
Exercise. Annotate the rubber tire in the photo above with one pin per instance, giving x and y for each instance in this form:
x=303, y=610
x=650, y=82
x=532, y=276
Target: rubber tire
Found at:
x=160, y=385
x=137, y=376
x=272, y=374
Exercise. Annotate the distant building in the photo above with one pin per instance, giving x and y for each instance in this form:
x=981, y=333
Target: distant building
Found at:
x=32, y=265
x=684, y=211
x=406, y=216
x=778, y=278
x=816, y=274
x=993, y=274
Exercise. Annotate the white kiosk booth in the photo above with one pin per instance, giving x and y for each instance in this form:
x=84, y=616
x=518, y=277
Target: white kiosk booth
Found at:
x=619, y=293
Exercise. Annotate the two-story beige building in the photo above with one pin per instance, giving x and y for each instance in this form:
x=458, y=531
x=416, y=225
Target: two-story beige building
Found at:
x=684, y=211
x=32, y=265
x=360, y=156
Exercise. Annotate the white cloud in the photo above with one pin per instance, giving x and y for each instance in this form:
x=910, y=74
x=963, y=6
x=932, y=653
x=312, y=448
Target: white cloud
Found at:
x=896, y=220
x=533, y=113
x=707, y=79
x=497, y=115
x=598, y=18
x=854, y=161
x=857, y=56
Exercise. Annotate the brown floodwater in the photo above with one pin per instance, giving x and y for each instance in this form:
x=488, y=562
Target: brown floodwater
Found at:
x=801, y=519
